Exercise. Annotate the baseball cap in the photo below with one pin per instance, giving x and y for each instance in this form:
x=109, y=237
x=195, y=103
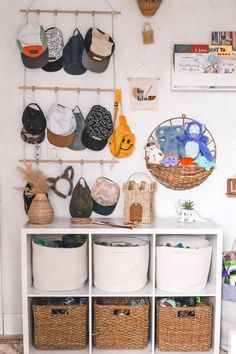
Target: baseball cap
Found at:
x=98, y=128
x=72, y=54
x=33, y=119
x=34, y=139
x=98, y=48
x=105, y=194
x=32, y=42
x=61, y=125
x=80, y=124
x=55, y=49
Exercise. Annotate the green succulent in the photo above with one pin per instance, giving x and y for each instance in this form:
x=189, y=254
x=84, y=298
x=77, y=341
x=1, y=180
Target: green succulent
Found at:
x=188, y=205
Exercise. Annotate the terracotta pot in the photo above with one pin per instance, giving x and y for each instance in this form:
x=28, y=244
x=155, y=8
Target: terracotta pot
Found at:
x=40, y=211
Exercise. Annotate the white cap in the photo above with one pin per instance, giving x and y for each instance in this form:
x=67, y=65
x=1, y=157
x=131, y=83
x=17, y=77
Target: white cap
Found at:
x=60, y=120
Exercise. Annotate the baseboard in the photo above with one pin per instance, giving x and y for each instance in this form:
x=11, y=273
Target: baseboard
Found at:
x=12, y=324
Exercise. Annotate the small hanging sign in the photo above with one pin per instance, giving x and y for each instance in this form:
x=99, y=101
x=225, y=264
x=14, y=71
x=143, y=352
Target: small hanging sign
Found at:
x=143, y=93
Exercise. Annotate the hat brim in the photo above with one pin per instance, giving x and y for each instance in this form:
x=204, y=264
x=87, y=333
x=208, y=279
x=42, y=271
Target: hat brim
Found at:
x=92, y=143
x=94, y=65
x=103, y=210
x=60, y=140
x=76, y=143
x=35, y=63
x=74, y=69
x=53, y=66
x=32, y=139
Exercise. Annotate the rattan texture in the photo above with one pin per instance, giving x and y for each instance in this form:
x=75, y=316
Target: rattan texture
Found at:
x=60, y=331
x=184, y=333
x=149, y=8
x=40, y=211
x=138, y=193
x=181, y=177
x=111, y=331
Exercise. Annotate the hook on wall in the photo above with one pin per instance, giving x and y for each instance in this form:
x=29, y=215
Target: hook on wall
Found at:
x=76, y=18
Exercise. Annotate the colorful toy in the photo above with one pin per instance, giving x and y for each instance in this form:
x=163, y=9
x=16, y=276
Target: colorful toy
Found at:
x=153, y=152
x=170, y=160
x=194, y=142
x=187, y=161
x=169, y=139
x=201, y=161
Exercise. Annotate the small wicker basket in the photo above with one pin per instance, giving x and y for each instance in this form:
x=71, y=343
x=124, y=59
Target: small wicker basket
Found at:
x=190, y=332
x=59, y=327
x=181, y=177
x=149, y=8
x=40, y=210
x=138, y=203
x=113, y=331
x=148, y=35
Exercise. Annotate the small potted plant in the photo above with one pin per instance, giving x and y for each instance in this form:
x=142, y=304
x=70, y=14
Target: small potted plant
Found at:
x=40, y=210
x=186, y=211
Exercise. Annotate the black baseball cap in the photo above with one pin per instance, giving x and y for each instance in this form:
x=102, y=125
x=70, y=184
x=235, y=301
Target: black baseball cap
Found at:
x=33, y=119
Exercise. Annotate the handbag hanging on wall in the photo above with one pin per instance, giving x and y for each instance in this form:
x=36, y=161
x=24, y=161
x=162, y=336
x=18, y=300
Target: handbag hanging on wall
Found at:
x=122, y=140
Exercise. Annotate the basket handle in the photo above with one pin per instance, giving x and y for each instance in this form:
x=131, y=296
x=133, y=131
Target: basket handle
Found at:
x=139, y=173
x=59, y=312
x=186, y=314
x=126, y=313
x=147, y=27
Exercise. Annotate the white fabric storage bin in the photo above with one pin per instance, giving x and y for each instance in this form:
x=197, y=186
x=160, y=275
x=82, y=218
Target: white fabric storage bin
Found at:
x=59, y=269
x=228, y=322
x=182, y=269
x=121, y=268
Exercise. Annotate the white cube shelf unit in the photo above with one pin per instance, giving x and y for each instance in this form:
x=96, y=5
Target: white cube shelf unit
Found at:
x=160, y=226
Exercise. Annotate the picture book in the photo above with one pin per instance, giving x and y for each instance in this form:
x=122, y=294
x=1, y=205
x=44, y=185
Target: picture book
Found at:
x=224, y=38
x=195, y=62
x=191, y=48
x=221, y=50
x=226, y=65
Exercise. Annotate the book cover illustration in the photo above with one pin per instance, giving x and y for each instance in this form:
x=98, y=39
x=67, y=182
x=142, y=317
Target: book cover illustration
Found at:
x=227, y=65
x=195, y=62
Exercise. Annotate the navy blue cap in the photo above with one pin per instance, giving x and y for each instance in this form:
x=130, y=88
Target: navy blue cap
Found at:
x=72, y=54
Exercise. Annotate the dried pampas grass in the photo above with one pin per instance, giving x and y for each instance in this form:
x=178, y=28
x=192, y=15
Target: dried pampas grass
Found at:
x=35, y=178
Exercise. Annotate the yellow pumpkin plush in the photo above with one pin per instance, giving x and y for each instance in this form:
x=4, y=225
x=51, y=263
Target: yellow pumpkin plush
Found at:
x=122, y=140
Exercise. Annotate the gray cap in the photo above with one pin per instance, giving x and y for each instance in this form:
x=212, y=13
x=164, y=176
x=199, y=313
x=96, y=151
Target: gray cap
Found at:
x=80, y=124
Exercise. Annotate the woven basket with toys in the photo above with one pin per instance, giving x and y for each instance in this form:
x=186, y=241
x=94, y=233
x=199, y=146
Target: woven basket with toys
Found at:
x=180, y=153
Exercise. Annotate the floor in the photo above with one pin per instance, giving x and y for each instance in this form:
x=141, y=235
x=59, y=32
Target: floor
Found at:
x=11, y=345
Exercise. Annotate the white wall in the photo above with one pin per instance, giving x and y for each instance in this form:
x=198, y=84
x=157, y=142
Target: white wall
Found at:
x=182, y=21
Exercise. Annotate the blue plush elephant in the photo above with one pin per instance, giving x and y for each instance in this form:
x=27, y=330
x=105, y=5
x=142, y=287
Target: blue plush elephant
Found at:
x=169, y=139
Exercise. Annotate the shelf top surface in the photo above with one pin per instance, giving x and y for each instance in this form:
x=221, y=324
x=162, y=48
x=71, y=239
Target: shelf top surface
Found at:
x=160, y=225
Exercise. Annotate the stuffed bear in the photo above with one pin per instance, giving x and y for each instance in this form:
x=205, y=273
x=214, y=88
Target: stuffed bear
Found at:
x=194, y=142
x=153, y=152
x=169, y=139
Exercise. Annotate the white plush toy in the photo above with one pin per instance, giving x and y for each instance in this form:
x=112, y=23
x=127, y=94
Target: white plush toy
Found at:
x=153, y=151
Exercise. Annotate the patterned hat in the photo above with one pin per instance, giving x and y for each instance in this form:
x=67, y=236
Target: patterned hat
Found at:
x=98, y=128
x=55, y=49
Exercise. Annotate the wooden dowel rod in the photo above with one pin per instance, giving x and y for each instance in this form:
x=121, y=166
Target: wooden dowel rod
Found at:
x=60, y=161
x=55, y=88
x=75, y=12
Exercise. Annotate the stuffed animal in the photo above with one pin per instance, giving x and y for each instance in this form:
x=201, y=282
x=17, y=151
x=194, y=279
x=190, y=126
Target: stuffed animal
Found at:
x=194, y=142
x=153, y=152
x=170, y=160
x=169, y=139
x=201, y=161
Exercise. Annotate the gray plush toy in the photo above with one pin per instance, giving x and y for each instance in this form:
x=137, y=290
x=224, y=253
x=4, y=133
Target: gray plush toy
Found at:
x=168, y=138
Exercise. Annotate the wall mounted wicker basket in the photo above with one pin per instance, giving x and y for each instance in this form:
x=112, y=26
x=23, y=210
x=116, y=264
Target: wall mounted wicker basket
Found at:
x=181, y=177
x=149, y=8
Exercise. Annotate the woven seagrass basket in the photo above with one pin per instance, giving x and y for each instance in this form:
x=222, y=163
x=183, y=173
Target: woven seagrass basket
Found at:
x=184, y=328
x=60, y=327
x=40, y=210
x=149, y=8
x=113, y=331
x=181, y=177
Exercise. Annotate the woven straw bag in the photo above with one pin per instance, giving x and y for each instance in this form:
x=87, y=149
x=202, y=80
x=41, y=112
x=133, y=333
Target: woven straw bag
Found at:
x=181, y=177
x=40, y=211
x=138, y=203
x=149, y=8
x=148, y=35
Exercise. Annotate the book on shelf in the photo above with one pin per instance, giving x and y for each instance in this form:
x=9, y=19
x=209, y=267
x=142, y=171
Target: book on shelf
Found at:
x=226, y=65
x=224, y=38
x=195, y=62
x=191, y=48
x=221, y=50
